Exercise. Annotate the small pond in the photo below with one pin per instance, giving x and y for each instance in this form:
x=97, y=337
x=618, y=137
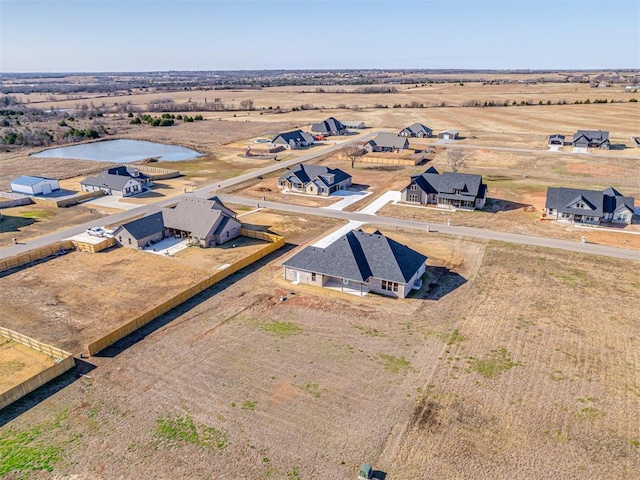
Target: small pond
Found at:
x=121, y=151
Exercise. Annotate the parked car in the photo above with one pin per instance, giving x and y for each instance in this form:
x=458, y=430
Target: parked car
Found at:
x=99, y=232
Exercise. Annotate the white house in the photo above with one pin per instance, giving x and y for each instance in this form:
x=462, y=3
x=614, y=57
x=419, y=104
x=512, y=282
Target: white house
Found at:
x=34, y=185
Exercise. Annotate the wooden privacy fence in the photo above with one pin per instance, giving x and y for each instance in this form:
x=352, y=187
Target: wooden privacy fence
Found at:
x=35, y=254
x=138, y=322
x=389, y=161
x=64, y=202
x=64, y=362
x=94, y=247
x=157, y=173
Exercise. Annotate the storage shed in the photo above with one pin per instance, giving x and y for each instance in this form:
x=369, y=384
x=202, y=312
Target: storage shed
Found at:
x=34, y=185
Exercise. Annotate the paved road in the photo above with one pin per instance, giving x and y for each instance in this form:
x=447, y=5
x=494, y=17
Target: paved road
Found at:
x=599, y=154
x=205, y=192
x=589, y=248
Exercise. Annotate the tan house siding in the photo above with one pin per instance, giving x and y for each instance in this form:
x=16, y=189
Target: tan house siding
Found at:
x=231, y=230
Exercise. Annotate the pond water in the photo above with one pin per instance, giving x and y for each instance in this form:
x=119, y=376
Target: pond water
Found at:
x=121, y=151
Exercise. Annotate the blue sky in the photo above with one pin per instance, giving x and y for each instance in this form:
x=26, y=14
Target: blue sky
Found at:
x=143, y=35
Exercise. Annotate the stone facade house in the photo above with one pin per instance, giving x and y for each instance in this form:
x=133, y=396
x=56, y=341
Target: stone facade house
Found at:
x=329, y=127
x=387, y=142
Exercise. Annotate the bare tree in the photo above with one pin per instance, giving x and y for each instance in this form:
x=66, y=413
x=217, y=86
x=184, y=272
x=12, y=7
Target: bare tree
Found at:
x=456, y=159
x=353, y=152
x=246, y=104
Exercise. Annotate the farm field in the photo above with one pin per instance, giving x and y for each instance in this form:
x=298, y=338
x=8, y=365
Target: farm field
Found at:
x=500, y=370
x=19, y=362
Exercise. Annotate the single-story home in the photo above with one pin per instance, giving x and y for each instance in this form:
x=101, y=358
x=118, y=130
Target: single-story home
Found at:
x=416, y=130
x=588, y=206
x=446, y=190
x=330, y=126
x=359, y=261
x=122, y=181
x=293, y=140
x=556, y=139
x=449, y=134
x=387, y=142
x=314, y=180
x=34, y=185
x=206, y=222
x=591, y=139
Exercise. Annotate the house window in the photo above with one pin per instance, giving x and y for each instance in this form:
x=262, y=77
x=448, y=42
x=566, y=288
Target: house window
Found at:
x=390, y=286
x=129, y=240
x=412, y=197
x=313, y=276
x=580, y=205
x=413, y=186
x=120, y=238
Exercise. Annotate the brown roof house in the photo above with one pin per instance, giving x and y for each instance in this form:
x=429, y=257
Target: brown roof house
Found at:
x=359, y=263
x=205, y=222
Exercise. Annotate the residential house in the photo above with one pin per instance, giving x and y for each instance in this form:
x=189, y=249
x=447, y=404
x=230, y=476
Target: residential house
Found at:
x=34, y=185
x=293, y=140
x=330, y=126
x=206, y=222
x=416, y=130
x=142, y=231
x=556, y=139
x=591, y=139
x=446, y=190
x=122, y=181
x=359, y=262
x=314, y=180
x=449, y=135
x=588, y=206
x=387, y=142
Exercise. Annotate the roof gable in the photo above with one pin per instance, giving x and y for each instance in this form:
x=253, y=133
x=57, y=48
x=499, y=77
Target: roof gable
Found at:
x=28, y=181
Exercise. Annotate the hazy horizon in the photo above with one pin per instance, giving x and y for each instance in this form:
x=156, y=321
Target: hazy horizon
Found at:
x=92, y=36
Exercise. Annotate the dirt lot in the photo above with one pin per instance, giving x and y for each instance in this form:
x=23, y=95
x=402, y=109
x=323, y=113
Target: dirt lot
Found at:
x=19, y=362
x=71, y=300
x=505, y=371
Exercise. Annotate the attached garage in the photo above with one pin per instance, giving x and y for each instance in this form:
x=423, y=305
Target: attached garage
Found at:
x=34, y=185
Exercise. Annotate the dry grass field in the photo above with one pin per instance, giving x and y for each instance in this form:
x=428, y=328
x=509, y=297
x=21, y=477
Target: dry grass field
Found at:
x=19, y=362
x=521, y=363
x=517, y=362
x=30, y=221
x=74, y=299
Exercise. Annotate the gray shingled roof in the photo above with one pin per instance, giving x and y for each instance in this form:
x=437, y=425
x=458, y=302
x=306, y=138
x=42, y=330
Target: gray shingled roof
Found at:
x=598, y=203
x=194, y=215
x=592, y=136
x=329, y=125
x=389, y=140
x=556, y=135
x=417, y=128
x=307, y=173
x=114, y=182
x=127, y=170
x=444, y=184
x=143, y=227
x=358, y=256
x=297, y=136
